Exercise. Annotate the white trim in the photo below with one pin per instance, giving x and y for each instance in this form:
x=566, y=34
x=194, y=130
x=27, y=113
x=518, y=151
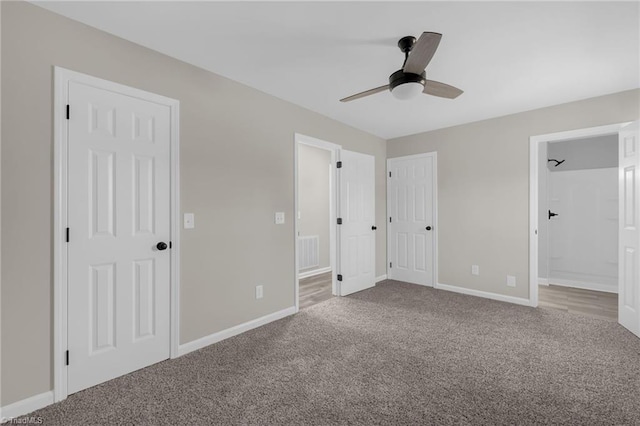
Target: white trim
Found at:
x=543, y=281
x=176, y=246
x=334, y=149
x=434, y=213
x=583, y=285
x=62, y=77
x=484, y=294
x=381, y=278
x=234, y=331
x=534, y=144
x=25, y=406
x=314, y=272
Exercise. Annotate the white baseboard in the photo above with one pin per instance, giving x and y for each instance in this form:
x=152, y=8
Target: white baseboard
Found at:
x=485, y=294
x=543, y=281
x=26, y=406
x=233, y=331
x=314, y=272
x=381, y=278
x=583, y=285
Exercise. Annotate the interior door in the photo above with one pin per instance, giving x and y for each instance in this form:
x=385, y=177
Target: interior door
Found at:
x=119, y=223
x=356, y=233
x=629, y=223
x=410, y=207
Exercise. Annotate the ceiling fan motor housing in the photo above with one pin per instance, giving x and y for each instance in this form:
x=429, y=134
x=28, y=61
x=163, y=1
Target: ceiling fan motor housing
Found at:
x=400, y=77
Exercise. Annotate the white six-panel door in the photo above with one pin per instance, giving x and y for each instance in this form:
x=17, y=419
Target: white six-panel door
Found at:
x=411, y=226
x=118, y=211
x=357, y=238
x=629, y=223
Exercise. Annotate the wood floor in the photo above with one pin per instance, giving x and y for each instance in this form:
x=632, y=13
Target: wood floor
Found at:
x=315, y=289
x=591, y=303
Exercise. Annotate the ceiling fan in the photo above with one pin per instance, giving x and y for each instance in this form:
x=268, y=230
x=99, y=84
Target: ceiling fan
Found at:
x=411, y=79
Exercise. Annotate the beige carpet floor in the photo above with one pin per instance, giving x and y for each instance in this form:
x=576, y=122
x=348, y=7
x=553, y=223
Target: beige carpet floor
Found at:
x=395, y=354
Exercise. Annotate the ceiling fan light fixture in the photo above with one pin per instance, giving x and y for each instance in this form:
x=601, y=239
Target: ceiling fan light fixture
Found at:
x=406, y=85
x=407, y=91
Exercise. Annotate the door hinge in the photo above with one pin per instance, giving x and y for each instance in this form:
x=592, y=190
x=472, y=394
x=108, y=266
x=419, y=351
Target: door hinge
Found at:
x=339, y=277
x=339, y=221
x=67, y=111
x=67, y=236
x=170, y=245
x=389, y=174
x=390, y=264
x=389, y=219
x=339, y=164
x=67, y=358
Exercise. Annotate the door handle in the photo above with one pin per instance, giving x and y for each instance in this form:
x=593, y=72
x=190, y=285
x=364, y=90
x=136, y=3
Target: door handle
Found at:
x=161, y=246
x=552, y=214
x=428, y=228
x=373, y=228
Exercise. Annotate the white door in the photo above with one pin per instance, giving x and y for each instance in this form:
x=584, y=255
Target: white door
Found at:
x=411, y=227
x=118, y=212
x=629, y=223
x=357, y=233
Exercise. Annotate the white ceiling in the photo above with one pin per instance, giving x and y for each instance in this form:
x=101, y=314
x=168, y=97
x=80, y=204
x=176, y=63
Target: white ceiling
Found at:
x=507, y=56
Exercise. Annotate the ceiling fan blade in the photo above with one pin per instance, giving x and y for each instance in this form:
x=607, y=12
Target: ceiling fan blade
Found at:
x=422, y=52
x=365, y=93
x=441, y=90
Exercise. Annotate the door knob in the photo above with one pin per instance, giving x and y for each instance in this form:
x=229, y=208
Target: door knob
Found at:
x=161, y=246
x=428, y=228
x=373, y=228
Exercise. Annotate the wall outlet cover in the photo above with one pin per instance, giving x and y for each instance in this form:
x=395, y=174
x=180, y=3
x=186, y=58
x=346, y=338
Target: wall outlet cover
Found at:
x=475, y=270
x=511, y=281
x=189, y=221
x=279, y=218
x=259, y=292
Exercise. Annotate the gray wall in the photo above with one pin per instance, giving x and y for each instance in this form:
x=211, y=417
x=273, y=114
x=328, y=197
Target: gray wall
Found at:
x=599, y=152
x=483, y=186
x=313, y=197
x=237, y=149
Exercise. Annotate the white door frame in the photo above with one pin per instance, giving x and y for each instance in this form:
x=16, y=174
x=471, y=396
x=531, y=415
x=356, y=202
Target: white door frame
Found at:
x=534, y=148
x=62, y=77
x=335, y=156
x=435, y=226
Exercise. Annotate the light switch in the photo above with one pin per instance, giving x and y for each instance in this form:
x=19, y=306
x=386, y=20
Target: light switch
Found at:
x=189, y=221
x=279, y=218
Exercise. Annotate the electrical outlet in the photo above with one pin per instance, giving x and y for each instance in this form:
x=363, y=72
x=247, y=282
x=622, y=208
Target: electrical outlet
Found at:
x=279, y=218
x=511, y=281
x=259, y=292
x=475, y=270
x=189, y=221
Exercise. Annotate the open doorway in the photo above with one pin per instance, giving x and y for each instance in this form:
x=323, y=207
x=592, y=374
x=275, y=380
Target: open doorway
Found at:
x=578, y=225
x=626, y=256
x=315, y=233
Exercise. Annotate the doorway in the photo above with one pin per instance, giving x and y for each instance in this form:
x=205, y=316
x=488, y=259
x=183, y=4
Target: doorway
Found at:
x=116, y=234
x=578, y=213
x=315, y=221
x=578, y=225
x=315, y=265
x=352, y=223
x=613, y=259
